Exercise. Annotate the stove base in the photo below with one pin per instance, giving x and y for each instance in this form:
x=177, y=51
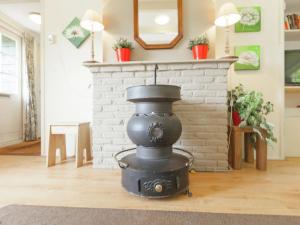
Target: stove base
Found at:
x=156, y=178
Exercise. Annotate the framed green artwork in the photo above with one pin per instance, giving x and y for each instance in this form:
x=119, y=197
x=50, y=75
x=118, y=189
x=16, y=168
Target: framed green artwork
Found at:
x=250, y=19
x=75, y=33
x=248, y=57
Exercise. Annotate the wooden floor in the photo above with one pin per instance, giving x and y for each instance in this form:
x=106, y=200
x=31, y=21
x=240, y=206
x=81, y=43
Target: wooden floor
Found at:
x=26, y=180
x=28, y=148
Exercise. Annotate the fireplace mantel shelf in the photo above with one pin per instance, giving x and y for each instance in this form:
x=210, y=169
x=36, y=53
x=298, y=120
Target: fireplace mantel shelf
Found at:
x=231, y=60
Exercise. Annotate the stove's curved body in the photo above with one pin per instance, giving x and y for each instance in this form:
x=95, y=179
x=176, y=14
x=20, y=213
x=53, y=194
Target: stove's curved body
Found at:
x=154, y=170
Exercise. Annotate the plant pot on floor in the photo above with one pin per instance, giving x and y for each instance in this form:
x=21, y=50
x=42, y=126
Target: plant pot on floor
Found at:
x=236, y=119
x=200, y=51
x=123, y=54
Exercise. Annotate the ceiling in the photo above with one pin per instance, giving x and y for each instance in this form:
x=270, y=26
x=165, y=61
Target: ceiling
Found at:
x=19, y=10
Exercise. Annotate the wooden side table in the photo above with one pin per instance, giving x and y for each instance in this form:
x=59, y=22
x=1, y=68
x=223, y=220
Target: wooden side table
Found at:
x=235, y=150
x=57, y=140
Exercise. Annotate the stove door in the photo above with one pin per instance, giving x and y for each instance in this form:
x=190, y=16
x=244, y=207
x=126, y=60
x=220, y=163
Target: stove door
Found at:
x=164, y=185
x=156, y=186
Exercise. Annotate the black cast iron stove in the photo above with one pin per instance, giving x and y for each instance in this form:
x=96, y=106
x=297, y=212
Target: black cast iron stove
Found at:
x=155, y=170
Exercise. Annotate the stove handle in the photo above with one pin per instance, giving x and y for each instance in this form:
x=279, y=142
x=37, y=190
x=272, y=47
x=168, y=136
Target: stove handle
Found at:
x=121, y=164
x=191, y=159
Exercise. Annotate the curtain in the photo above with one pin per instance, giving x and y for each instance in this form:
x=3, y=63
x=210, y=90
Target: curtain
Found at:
x=29, y=90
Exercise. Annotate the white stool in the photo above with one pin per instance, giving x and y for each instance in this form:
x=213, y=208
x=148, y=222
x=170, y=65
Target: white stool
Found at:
x=57, y=139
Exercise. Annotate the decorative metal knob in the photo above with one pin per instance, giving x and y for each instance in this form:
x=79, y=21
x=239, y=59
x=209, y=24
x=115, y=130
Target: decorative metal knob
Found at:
x=158, y=188
x=155, y=132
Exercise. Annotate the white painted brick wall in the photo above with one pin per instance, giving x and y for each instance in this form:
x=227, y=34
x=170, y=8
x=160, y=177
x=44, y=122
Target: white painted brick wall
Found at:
x=202, y=110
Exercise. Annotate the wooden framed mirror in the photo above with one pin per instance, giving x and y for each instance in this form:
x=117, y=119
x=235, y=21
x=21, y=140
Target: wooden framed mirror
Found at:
x=157, y=23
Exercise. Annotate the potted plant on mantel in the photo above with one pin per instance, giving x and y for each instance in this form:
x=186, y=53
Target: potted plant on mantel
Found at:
x=250, y=109
x=123, y=49
x=199, y=46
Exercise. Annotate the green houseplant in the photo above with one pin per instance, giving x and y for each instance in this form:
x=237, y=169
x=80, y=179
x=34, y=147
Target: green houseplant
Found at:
x=234, y=95
x=123, y=49
x=252, y=110
x=199, y=46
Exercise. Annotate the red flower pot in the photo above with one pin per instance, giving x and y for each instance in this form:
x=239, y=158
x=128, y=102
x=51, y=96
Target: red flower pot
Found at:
x=200, y=51
x=236, y=119
x=123, y=54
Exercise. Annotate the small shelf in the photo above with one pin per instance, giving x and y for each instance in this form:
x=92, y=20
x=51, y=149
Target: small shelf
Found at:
x=292, y=35
x=292, y=112
x=292, y=89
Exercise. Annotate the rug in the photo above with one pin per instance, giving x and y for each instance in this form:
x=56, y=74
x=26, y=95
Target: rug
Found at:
x=42, y=215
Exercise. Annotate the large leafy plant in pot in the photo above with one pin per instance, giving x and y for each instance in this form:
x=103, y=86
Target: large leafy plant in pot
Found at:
x=123, y=49
x=252, y=110
x=234, y=95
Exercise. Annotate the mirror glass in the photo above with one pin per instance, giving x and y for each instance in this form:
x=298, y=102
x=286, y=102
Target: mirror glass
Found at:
x=158, y=21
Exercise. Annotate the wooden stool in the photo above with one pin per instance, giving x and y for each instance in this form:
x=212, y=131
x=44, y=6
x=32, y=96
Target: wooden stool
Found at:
x=235, y=150
x=57, y=139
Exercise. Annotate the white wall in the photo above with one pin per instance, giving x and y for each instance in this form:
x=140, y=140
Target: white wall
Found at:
x=67, y=94
x=270, y=78
x=198, y=17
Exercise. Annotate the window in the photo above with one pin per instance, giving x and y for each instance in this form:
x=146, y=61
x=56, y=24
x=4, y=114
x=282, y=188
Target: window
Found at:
x=9, y=64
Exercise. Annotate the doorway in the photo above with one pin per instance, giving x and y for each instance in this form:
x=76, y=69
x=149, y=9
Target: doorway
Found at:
x=19, y=83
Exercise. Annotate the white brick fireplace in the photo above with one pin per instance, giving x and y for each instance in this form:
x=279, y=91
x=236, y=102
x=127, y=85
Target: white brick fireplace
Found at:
x=202, y=110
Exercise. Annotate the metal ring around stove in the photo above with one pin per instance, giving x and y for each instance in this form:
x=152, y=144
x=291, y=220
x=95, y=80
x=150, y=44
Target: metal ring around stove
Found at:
x=123, y=165
x=191, y=159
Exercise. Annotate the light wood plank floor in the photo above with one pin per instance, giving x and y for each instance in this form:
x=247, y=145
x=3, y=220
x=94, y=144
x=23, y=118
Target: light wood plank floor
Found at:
x=26, y=180
x=28, y=148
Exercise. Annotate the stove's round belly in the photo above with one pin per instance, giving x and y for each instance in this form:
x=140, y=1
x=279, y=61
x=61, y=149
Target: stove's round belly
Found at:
x=154, y=130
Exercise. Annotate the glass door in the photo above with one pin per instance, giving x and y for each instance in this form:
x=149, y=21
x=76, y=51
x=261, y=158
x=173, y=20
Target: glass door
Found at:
x=10, y=88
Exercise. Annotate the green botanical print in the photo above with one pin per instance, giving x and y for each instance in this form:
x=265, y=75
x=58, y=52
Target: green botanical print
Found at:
x=75, y=33
x=248, y=57
x=250, y=19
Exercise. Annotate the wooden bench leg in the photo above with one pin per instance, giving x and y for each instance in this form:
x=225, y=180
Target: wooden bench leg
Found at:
x=249, y=149
x=61, y=143
x=83, y=143
x=236, y=149
x=51, y=157
x=88, y=143
x=56, y=141
x=261, y=153
x=230, y=146
x=79, y=153
x=80, y=146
